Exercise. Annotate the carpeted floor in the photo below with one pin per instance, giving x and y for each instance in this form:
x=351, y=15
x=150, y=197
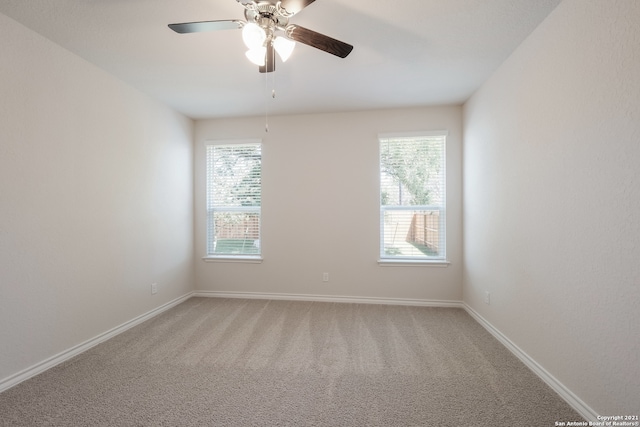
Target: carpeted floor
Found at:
x=232, y=362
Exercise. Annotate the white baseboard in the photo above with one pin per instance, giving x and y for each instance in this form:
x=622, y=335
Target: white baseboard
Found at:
x=40, y=367
x=574, y=401
x=329, y=298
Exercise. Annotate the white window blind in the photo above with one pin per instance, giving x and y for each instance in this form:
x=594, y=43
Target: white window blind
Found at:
x=412, y=197
x=234, y=192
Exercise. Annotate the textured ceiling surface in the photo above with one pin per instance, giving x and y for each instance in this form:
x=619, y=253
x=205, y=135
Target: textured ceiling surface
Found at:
x=406, y=53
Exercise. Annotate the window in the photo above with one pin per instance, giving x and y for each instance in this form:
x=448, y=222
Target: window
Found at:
x=412, y=197
x=234, y=189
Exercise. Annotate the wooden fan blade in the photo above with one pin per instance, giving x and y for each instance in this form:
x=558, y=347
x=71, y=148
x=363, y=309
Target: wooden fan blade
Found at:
x=197, y=27
x=270, y=60
x=319, y=41
x=294, y=6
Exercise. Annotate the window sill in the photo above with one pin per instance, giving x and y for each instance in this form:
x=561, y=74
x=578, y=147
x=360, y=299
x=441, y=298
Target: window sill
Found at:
x=233, y=259
x=412, y=263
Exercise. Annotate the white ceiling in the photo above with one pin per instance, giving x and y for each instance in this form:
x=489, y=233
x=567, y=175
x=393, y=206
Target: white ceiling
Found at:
x=406, y=53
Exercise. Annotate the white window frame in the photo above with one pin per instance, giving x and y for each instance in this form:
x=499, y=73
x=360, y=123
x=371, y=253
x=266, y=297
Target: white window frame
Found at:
x=210, y=255
x=388, y=260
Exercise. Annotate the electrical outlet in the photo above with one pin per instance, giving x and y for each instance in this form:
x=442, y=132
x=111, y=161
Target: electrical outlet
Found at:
x=325, y=277
x=487, y=297
x=154, y=288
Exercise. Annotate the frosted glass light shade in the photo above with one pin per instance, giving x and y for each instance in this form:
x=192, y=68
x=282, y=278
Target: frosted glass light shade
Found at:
x=253, y=36
x=257, y=55
x=284, y=47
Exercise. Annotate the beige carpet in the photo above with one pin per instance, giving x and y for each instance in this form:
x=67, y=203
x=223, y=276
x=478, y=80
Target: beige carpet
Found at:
x=230, y=362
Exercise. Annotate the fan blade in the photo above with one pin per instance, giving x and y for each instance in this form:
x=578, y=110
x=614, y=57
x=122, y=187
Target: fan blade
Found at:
x=292, y=7
x=319, y=41
x=270, y=60
x=196, y=27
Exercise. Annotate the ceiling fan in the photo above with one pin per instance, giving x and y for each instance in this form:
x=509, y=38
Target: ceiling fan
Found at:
x=264, y=19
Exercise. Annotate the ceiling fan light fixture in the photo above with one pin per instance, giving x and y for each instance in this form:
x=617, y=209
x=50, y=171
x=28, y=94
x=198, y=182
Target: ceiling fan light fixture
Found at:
x=257, y=55
x=284, y=47
x=253, y=35
x=263, y=20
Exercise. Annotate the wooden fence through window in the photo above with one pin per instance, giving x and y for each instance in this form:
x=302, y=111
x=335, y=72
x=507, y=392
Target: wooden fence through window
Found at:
x=248, y=228
x=425, y=230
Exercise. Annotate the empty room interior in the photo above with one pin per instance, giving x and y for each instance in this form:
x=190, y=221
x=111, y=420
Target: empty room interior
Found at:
x=428, y=215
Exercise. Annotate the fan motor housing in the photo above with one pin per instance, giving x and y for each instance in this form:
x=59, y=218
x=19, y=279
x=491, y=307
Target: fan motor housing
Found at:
x=266, y=14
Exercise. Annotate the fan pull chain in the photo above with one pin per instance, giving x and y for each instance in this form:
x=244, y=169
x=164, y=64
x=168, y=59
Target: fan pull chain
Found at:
x=266, y=103
x=273, y=91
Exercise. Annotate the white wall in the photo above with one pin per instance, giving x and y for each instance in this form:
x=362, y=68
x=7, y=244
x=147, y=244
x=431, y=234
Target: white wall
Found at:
x=552, y=200
x=320, y=206
x=95, y=201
